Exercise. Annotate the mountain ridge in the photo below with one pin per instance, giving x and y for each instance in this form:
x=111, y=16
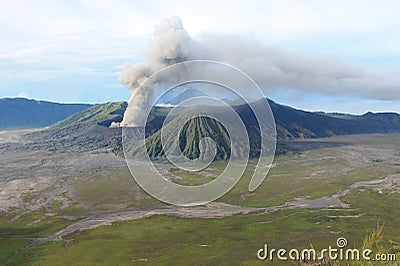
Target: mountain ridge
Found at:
x=89, y=128
x=21, y=113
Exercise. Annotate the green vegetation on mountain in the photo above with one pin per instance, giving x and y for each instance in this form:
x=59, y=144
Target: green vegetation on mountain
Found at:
x=98, y=113
x=190, y=136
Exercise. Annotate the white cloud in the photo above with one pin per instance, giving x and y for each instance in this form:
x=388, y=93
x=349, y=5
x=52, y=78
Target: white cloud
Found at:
x=23, y=95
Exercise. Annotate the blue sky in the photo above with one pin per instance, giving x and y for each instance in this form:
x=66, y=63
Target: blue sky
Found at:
x=73, y=51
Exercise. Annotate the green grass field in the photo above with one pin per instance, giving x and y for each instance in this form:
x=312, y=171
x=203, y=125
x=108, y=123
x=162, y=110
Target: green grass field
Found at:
x=234, y=240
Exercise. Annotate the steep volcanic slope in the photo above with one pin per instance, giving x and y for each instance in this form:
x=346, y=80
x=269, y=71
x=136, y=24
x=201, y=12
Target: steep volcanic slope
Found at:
x=86, y=130
x=293, y=123
x=190, y=136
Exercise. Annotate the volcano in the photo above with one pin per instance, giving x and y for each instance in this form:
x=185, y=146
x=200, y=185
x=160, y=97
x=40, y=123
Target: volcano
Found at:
x=190, y=135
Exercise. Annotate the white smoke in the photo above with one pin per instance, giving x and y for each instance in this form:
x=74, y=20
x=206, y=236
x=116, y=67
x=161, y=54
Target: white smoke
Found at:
x=269, y=66
x=171, y=44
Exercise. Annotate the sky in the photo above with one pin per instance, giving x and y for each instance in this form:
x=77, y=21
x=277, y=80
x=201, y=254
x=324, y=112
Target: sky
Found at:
x=344, y=55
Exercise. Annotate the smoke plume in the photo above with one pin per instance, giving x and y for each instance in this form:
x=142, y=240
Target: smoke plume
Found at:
x=171, y=44
x=271, y=67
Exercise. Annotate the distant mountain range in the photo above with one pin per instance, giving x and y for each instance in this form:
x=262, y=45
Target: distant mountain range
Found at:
x=292, y=123
x=20, y=113
x=88, y=126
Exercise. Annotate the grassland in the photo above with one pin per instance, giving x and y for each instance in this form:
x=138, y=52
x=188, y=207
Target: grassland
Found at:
x=234, y=240
x=167, y=240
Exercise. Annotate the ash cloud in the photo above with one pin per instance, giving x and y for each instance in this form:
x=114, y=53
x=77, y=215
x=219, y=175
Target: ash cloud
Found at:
x=171, y=44
x=271, y=67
